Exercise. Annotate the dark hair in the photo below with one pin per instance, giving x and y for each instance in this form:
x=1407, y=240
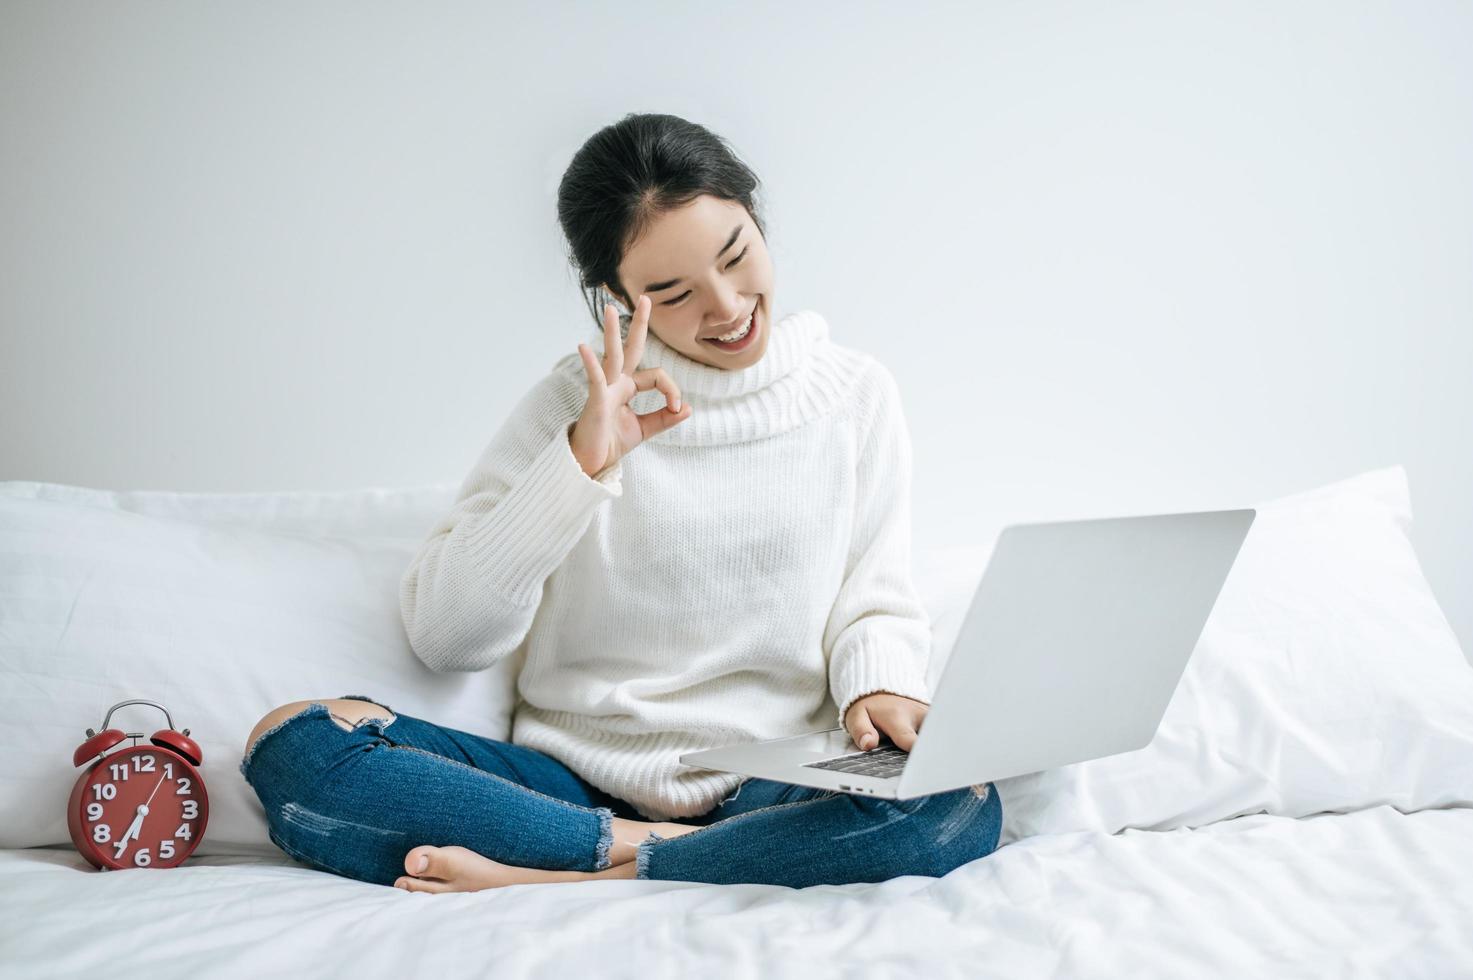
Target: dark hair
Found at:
x=628, y=174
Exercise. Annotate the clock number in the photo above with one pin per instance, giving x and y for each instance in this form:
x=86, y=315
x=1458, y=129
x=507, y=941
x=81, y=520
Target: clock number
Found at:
x=168, y=770
x=120, y=772
x=104, y=791
x=101, y=834
x=94, y=811
x=191, y=809
x=184, y=833
x=183, y=789
x=166, y=849
x=143, y=763
x=141, y=858
x=120, y=847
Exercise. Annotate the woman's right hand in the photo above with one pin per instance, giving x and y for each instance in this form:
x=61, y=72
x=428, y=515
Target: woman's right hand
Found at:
x=608, y=428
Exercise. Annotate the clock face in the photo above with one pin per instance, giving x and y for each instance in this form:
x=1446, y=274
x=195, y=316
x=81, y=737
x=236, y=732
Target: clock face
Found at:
x=140, y=807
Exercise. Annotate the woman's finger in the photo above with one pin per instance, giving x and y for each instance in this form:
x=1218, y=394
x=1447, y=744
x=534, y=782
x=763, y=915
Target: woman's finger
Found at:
x=653, y=423
x=594, y=370
x=902, y=734
x=613, y=346
x=674, y=412
x=638, y=327
x=863, y=730
x=659, y=378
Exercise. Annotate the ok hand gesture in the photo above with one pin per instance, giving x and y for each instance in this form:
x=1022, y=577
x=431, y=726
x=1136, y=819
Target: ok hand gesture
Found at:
x=608, y=428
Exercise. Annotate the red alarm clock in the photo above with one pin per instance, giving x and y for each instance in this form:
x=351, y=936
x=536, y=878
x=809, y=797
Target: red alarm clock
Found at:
x=140, y=807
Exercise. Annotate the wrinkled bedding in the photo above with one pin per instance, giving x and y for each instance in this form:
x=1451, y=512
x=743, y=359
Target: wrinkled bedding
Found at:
x=1369, y=893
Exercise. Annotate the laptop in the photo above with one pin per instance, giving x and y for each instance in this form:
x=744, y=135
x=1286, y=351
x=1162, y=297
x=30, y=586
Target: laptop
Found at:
x=1072, y=647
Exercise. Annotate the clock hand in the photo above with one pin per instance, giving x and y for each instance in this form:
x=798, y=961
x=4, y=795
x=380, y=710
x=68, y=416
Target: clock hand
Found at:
x=150, y=795
x=121, y=844
x=137, y=825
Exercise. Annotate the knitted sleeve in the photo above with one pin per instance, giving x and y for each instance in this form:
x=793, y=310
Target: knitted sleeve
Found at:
x=878, y=635
x=469, y=595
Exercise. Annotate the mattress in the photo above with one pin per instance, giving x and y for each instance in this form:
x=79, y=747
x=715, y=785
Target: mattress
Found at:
x=1369, y=893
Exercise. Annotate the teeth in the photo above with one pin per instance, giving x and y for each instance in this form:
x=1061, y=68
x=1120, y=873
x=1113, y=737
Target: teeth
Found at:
x=739, y=333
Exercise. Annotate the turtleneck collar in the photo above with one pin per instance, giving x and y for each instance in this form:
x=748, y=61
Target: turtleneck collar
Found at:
x=801, y=375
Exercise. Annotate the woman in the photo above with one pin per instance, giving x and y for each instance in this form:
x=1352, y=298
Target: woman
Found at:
x=701, y=538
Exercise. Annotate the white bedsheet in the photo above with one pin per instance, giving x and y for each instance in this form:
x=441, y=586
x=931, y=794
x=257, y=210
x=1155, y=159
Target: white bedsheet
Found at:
x=1372, y=893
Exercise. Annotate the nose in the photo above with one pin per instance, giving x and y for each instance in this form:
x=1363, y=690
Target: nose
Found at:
x=735, y=306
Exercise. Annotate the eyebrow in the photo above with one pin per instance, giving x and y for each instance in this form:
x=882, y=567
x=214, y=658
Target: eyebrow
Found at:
x=656, y=287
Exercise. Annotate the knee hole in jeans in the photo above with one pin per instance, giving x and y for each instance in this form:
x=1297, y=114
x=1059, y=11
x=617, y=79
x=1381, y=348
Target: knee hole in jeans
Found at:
x=384, y=720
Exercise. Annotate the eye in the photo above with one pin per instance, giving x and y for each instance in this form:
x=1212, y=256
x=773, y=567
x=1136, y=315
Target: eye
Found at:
x=681, y=298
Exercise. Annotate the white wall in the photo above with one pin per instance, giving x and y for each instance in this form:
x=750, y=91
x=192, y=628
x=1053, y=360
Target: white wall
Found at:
x=1122, y=257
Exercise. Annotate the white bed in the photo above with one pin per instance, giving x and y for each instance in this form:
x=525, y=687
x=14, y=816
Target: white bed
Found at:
x=1374, y=893
x=1305, y=810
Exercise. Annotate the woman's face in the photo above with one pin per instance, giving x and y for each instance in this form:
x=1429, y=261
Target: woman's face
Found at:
x=704, y=267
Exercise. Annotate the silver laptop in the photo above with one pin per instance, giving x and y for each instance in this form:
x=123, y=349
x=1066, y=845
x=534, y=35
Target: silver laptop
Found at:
x=1071, y=650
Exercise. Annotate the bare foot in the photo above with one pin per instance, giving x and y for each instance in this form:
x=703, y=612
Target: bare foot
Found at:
x=457, y=869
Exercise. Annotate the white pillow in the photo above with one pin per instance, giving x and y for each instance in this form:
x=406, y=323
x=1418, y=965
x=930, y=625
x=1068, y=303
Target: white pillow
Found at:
x=1326, y=679
x=1288, y=705
x=217, y=606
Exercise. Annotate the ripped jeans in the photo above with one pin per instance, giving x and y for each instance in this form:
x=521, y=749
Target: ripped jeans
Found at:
x=354, y=802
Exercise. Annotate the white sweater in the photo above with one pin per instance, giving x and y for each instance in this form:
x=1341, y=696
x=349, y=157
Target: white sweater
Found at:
x=744, y=575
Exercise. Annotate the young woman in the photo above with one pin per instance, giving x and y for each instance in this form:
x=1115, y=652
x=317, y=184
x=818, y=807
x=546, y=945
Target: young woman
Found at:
x=700, y=537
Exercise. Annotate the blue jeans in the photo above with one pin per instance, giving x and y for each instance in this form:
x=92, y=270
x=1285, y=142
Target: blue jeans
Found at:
x=354, y=802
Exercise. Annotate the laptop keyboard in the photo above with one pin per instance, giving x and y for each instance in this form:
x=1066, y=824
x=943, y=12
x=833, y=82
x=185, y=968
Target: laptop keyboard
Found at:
x=883, y=762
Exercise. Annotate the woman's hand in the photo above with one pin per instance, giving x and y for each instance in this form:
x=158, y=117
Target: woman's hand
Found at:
x=608, y=428
x=898, y=717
